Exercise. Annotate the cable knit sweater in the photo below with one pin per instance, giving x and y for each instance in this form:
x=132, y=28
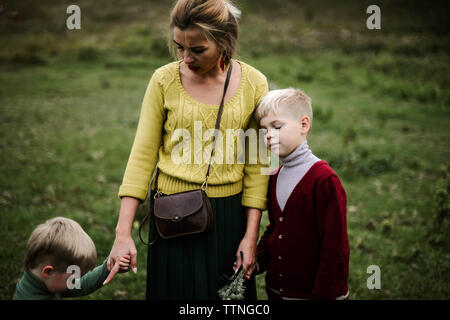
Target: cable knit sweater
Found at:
x=167, y=107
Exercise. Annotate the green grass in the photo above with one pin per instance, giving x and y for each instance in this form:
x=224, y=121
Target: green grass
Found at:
x=70, y=103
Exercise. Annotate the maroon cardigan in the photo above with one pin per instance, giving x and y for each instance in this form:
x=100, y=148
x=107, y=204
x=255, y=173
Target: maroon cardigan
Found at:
x=305, y=248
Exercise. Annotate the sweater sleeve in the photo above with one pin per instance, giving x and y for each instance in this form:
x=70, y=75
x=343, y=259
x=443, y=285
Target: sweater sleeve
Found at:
x=332, y=274
x=90, y=282
x=255, y=183
x=144, y=153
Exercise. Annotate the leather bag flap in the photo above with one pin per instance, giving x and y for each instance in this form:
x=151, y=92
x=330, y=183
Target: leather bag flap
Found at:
x=179, y=205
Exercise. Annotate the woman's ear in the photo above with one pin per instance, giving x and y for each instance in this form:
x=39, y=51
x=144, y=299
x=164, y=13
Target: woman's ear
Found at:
x=47, y=271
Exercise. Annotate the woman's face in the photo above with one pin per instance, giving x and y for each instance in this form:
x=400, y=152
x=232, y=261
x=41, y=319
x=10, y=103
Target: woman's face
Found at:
x=198, y=53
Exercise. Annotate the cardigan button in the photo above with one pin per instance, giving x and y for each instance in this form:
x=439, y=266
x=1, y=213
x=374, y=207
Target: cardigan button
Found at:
x=280, y=274
x=281, y=219
x=280, y=236
x=279, y=257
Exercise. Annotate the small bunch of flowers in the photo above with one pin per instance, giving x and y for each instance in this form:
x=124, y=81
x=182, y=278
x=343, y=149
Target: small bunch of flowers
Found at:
x=234, y=289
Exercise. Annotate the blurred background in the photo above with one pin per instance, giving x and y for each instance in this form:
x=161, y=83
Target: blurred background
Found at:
x=70, y=103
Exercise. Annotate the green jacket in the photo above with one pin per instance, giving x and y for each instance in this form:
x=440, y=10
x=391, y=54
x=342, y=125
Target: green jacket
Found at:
x=31, y=287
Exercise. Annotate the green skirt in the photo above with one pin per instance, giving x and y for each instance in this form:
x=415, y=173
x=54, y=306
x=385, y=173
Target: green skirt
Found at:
x=192, y=267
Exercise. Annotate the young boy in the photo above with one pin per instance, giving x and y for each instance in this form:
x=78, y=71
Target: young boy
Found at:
x=52, y=248
x=305, y=248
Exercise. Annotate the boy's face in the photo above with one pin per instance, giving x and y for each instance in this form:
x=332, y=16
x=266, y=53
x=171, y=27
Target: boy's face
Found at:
x=283, y=133
x=54, y=280
x=59, y=282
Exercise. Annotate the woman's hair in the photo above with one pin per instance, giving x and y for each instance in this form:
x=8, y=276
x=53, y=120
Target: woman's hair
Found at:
x=294, y=101
x=60, y=242
x=217, y=20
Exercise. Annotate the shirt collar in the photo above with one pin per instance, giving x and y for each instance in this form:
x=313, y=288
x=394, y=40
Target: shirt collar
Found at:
x=299, y=156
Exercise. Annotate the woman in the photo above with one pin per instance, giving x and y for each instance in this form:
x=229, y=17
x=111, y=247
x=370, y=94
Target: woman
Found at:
x=185, y=95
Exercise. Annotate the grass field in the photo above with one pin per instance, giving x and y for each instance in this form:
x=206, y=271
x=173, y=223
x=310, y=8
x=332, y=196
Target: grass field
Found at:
x=70, y=102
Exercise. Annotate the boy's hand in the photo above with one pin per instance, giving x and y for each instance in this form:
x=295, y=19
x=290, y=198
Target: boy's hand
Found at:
x=124, y=264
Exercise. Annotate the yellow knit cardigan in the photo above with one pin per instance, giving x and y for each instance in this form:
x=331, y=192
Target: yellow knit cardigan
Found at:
x=174, y=126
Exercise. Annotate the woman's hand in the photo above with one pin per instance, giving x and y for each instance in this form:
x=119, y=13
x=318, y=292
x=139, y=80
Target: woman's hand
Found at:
x=248, y=243
x=123, y=246
x=248, y=249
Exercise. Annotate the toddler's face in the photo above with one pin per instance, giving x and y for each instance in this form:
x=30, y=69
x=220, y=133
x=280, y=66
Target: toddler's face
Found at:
x=57, y=282
x=283, y=133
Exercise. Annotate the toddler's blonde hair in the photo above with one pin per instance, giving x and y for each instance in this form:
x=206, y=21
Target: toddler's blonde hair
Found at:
x=60, y=242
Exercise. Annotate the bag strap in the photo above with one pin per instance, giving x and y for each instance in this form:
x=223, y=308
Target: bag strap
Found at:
x=205, y=183
x=216, y=130
x=140, y=229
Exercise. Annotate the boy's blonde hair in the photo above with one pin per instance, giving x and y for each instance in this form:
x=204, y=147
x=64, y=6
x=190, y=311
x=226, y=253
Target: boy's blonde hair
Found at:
x=294, y=101
x=60, y=242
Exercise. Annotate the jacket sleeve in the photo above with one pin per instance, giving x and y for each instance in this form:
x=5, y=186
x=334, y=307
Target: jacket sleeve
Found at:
x=91, y=281
x=144, y=153
x=332, y=275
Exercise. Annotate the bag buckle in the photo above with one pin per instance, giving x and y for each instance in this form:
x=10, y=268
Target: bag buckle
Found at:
x=157, y=194
x=205, y=184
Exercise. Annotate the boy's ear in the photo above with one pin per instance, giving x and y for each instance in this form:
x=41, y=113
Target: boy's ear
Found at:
x=305, y=123
x=47, y=271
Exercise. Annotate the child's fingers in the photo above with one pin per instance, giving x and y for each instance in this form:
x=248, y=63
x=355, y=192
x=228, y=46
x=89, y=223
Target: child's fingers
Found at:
x=124, y=263
x=124, y=269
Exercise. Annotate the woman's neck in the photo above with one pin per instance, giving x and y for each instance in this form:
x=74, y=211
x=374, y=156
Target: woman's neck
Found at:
x=212, y=75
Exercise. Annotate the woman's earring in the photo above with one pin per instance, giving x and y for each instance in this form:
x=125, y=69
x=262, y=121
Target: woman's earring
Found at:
x=222, y=64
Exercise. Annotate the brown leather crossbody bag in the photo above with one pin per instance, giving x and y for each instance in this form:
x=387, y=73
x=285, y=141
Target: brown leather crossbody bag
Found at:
x=187, y=212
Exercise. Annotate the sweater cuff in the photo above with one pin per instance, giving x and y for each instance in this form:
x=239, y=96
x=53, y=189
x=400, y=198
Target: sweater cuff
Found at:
x=253, y=202
x=127, y=190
